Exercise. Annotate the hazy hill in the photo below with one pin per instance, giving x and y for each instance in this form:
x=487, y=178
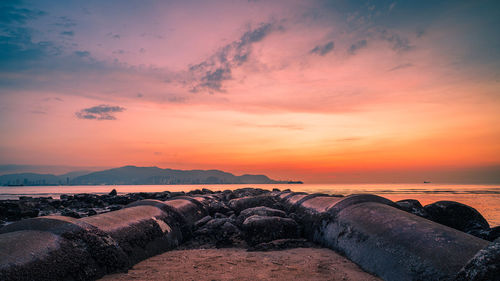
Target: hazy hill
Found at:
x=155, y=175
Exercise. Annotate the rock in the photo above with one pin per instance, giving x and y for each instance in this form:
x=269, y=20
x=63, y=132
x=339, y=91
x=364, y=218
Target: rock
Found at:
x=91, y=212
x=494, y=233
x=459, y=216
x=215, y=206
x=240, y=204
x=261, y=211
x=219, y=232
x=259, y=229
x=219, y=216
x=248, y=191
x=281, y=244
x=202, y=221
x=216, y=223
x=207, y=191
x=413, y=207
x=484, y=266
x=177, y=193
x=115, y=207
x=70, y=213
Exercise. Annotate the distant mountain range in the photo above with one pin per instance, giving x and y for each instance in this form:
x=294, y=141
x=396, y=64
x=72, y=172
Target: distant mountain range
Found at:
x=137, y=175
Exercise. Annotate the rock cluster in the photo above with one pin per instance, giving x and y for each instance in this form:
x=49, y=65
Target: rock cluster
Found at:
x=248, y=218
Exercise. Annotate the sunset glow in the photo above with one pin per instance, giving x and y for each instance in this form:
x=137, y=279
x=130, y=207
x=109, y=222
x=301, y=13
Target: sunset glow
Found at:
x=308, y=90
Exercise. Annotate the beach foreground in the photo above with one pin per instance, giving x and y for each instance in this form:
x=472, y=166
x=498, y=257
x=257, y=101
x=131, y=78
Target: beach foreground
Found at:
x=393, y=240
x=239, y=264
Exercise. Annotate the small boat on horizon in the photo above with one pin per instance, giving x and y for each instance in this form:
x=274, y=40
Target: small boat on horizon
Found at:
x=427, y=182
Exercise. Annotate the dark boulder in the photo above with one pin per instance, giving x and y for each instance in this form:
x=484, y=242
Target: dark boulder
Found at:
x=113, y=192
x=70, y=213
x=215, y=206
x=484, y=266
x=459, y=216
x=219, y=233
x=219, y=216
x=240, y=204
x=248, y=191
x=261, y=211
x=202, y=221
x=412, y=206
x=260, y=229
x=494, y=233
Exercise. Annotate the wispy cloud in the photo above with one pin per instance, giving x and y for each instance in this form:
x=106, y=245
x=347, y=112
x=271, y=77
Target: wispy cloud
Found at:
x=323, y=49
x=357, y=46
x=211, y=73
x=398, y=42
x=99, y=112
x=401, y=66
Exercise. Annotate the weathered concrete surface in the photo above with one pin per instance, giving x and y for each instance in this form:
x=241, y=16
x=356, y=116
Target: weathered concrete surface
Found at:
x=40, y=255
x=261, y=229
x=318, y=205
x=141, y=231
x=54, y=223
x=106, y=254
x=357, y=199
x=397, y=245
x=177, y=220
x=189, y=210
x=484, y=266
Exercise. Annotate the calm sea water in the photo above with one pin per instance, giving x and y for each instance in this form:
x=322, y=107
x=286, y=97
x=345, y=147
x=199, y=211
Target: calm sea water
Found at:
x=484, y=198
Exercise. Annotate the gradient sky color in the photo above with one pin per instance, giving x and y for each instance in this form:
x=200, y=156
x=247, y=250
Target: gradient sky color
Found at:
x=321, y=91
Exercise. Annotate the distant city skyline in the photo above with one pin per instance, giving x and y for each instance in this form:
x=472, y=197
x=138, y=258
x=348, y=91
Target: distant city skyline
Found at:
x=320, y=91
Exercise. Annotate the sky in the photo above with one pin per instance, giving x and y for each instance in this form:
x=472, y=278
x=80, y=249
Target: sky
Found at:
x=320, y=91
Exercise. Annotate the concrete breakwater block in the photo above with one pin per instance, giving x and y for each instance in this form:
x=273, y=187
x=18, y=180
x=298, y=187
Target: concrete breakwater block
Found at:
x=41, y=255
x=370, y=230
x=191, y=212
x=141, y=231
x=485, y=265
x=64, y=248
x=261, y=229
x=397, y=245
x=391, y=243
x=104, y=254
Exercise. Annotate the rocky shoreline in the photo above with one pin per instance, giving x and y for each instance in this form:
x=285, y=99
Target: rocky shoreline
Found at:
x=145, y=224
x=452, y=214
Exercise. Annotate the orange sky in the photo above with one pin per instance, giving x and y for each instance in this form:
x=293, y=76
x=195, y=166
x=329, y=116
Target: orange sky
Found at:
x=293, y=90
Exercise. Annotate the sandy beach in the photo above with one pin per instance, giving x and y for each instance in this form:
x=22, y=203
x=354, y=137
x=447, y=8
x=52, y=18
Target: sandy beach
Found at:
x=238, y=264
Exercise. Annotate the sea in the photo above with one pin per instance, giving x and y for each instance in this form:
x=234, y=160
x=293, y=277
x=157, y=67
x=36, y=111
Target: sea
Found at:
x=484, y=198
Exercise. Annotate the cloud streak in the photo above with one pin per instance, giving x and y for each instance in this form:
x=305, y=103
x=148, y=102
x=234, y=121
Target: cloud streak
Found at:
x=99, y=112
x=357, y=46
x=210, y=74
x=323, y=49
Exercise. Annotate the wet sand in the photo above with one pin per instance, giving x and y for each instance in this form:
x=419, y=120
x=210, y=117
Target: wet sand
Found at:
x=238, y=264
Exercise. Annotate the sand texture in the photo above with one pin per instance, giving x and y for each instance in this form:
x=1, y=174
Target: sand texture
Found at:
x=238, y=264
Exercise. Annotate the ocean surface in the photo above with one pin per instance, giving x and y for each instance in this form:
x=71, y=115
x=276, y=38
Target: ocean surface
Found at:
x=484, y=198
